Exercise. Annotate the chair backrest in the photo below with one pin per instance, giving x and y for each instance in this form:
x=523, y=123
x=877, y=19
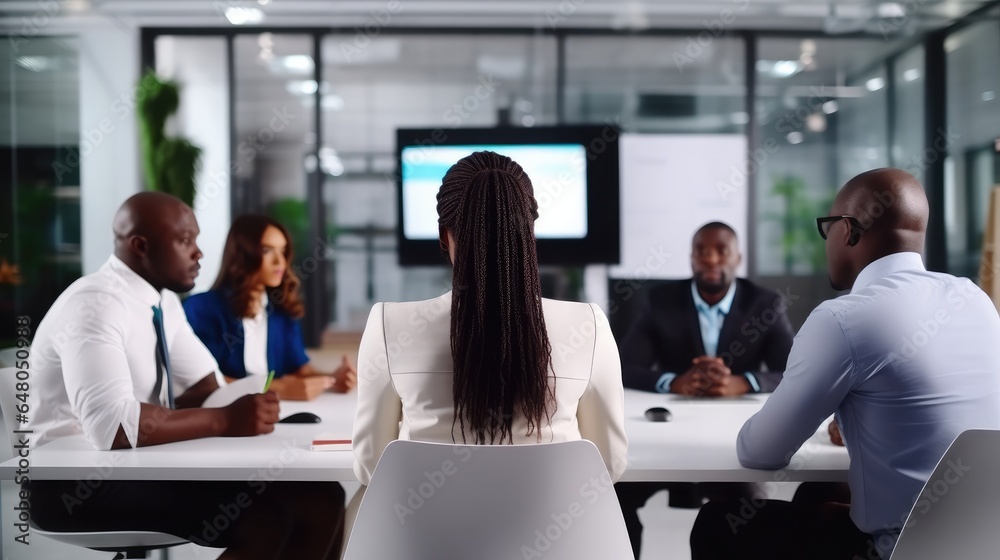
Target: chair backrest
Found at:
x=957, y=514
x=429, y=501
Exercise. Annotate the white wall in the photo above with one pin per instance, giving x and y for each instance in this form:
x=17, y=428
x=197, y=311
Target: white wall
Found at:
x=199, y=65
x=109, y=147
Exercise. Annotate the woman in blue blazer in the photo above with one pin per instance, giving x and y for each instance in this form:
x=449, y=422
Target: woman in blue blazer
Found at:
x=249, y=319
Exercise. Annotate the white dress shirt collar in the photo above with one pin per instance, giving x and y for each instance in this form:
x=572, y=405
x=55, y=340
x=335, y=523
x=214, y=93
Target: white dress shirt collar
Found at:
x=255, y=340
x=896, y=262
x=723, y=305
x=136, y=285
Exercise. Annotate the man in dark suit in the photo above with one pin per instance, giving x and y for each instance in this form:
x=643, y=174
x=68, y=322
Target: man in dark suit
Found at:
x=711, y=335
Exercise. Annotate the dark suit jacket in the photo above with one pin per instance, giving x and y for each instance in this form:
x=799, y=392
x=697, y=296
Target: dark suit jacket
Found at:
x=667, y=335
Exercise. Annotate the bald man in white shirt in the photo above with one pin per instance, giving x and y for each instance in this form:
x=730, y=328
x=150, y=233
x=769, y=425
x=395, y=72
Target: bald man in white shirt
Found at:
x=117, y=362
x=907, y=361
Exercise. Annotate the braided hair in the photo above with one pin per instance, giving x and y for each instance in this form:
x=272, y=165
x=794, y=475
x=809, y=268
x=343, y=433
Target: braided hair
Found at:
x=499, y=344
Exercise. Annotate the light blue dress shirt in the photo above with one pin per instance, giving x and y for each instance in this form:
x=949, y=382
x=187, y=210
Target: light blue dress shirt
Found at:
x=908, y=360
x=710, y=320
x=711, y=317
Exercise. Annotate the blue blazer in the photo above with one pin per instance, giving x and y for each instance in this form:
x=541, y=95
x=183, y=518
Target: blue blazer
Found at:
x=218, y=327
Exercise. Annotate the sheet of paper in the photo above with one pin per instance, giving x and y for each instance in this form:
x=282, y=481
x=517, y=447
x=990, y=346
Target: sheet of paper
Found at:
x=225, y=395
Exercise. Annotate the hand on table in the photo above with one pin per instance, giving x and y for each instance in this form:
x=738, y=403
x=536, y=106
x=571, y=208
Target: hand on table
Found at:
x=835, y=436
x=345, y=377
x=300, y=387
x=709, y=376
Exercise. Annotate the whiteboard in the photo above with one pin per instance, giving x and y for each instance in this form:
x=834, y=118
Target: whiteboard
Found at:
x=672, y=184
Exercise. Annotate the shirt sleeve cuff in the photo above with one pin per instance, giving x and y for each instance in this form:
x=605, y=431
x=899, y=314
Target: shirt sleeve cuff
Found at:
x=752, y=379
x=663, y=383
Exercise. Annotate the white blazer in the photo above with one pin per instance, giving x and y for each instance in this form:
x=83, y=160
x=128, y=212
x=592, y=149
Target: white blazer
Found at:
x=405, y=381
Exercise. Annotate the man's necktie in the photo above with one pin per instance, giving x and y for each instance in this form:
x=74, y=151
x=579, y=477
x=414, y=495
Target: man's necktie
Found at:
x=162, y=357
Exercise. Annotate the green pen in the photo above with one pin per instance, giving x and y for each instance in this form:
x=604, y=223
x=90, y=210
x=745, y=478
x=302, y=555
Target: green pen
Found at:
x=267, y=384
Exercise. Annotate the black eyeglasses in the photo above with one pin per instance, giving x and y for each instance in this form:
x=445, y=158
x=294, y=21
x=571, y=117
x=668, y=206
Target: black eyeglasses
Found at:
x=825, y=223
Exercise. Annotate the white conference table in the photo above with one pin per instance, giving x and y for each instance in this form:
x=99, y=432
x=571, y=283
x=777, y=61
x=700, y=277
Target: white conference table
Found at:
x=698, y=445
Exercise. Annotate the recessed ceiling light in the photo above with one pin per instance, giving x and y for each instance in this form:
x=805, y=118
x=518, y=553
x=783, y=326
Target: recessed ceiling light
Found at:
x=332, y=102
x=35, y=63
x=243, y=16
x=739, y=117
x=785, y=68
x=988, y=96
x=816, y=122
x=298, y=63
x=911, y=75
x=76, y=5
x=875, y=84
x=302, y=87
x=794, y=137
x=891, y=10
x=831, y=107
x=779, y=68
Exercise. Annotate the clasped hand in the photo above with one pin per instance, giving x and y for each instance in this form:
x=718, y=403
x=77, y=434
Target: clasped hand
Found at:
x=710, y=377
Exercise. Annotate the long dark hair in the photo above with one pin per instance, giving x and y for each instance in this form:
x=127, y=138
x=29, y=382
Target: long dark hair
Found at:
x=499, y=344
x=241, y=261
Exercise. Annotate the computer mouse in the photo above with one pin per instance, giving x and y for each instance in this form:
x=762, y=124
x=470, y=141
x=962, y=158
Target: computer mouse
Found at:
x=658, y=414
x=301, y=418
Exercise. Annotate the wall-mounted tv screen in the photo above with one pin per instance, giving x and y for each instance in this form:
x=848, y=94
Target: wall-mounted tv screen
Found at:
x=574, y=172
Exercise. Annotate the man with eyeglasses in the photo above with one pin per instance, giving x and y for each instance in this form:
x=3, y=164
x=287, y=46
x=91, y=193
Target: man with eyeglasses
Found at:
x=906, y=360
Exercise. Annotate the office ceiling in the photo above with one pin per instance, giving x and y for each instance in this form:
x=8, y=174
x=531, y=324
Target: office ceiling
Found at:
x=906, y=16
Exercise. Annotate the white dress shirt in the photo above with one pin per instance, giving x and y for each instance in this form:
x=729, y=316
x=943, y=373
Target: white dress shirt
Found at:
x=405, y=377
x=255, y=341
x=908, y=361
x=94, y=357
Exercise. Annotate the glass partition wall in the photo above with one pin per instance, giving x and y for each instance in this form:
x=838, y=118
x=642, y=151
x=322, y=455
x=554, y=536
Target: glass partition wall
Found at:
x=817, y=110
x=40, y=145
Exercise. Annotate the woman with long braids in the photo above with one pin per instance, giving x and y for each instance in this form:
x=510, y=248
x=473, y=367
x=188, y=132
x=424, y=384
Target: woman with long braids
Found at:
x=490, y=362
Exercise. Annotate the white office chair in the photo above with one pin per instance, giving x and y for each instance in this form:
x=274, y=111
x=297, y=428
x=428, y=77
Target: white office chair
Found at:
x=429, y=501
x=957, y=514
x=126, y=544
